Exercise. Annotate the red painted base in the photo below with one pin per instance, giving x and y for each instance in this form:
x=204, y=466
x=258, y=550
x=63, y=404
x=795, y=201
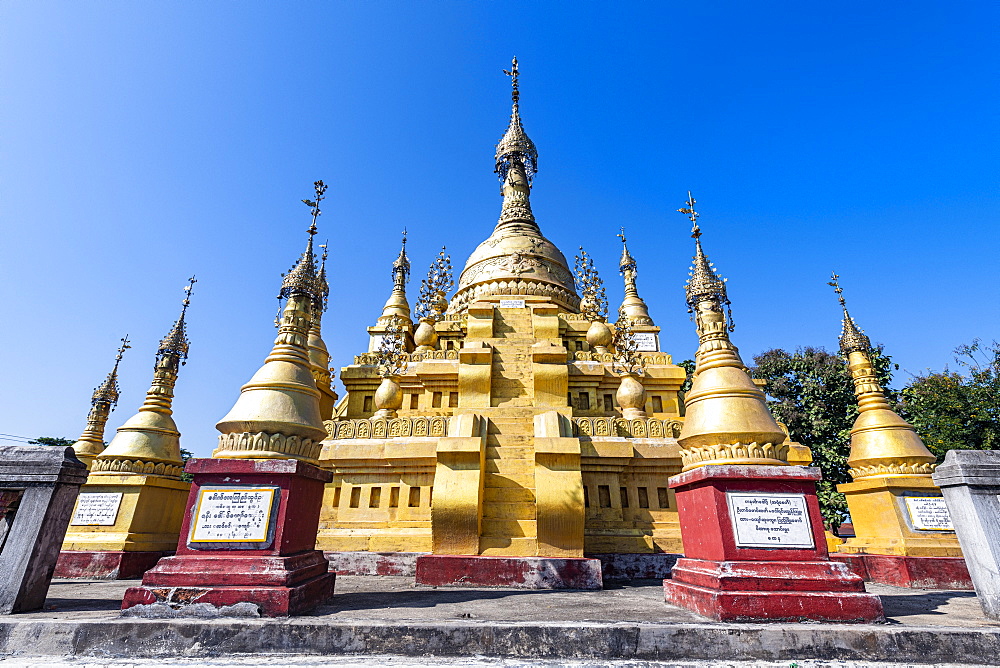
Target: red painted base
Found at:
x=511, y=572
x=731, y=591
x=724, y=579
x=281, y=586
x=283, y=576
x=912, y=572
x=106, y=565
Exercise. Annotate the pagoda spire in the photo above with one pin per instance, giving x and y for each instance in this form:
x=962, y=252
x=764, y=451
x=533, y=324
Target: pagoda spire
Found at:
x=319, y=354
x=632, y=305
x=882, y=443
x=149, y=443
x=516, y=164
x=277, y=415
x=102, y=404
x=726, y=419
x=397, y=307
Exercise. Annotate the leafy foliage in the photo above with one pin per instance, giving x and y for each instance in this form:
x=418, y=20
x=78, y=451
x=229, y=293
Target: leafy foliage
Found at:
x=812, y=393
x=952, y=410
x=54, y=441
x=185, y=456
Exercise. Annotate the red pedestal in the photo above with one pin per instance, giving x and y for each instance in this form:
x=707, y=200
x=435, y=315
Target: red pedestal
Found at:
x=511, y=572
x=105, y=565
x=912, y=572
x=284, y=575
x=735, y=578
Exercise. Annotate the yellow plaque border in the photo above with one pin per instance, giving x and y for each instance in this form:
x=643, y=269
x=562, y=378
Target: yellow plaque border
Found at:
x=267, y=521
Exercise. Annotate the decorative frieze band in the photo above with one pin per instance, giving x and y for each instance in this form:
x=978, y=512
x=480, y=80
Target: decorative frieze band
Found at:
x=136, y=466
x=295, y=446
x=372, y=358
x=892, y=467
x=613, y=426
x=741, y=453
x=434, y=427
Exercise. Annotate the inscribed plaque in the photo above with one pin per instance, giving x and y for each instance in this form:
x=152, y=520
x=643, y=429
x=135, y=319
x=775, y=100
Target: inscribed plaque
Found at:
x=770, y=520
x=97, y=509
x=646, y=342
x=511, y=303
x=929, y=513
x=233, y=515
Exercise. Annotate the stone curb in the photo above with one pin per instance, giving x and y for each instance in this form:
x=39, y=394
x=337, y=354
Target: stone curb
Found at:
x=583, y=640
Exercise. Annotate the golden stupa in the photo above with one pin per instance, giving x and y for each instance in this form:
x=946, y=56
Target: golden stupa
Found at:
x=102, y=403
x=139, y=473
x=278, y=414
x=727, y=420
x=890, y=465
x=503, y=431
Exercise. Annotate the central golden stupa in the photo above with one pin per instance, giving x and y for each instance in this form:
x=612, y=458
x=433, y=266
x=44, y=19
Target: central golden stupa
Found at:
x=504, y=421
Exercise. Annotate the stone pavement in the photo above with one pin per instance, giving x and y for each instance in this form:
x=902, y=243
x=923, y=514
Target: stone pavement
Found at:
x=392, y=616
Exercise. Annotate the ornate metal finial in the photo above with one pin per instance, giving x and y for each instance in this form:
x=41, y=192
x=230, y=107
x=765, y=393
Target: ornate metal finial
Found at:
x=627, y=262
x=627, y=359
x=391, y=358
x=302, y=279
x=401, y=266
x=852, y=337
x=176, y=342
x=433, y=289
x=513, y=73
x=515, y=146
x=593, y=299
x=109, y=391
x=692, y=215
x=322, y=285
x=705, y=284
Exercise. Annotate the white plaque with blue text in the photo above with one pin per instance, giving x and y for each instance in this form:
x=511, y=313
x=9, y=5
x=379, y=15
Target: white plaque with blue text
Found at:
x=770, y=520
x=511, y=303
x=233, y=516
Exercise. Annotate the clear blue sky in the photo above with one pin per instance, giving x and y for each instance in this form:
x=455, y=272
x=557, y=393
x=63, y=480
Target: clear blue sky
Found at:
x=141, y=142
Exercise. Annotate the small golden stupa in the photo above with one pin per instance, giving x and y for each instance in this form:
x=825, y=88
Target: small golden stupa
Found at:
x=139, y=474
x=102, y=403
x=278, y=414
x=890, y=465
x=727, y=420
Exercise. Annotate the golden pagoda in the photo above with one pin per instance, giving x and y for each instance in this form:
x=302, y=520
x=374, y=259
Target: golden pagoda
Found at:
x=508, y=438
x=102, y=403
x=895, y=507
x=278, y=414
x=319, y=355
x=726, y=420
x=129, y=512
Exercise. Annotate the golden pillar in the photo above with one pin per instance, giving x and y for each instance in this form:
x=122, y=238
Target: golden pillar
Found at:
x=893, y=501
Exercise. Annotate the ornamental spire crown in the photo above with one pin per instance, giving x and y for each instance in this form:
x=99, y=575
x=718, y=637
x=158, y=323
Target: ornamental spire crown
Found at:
x=109, y=391
x=705, y=283
x=176, y=342
x=515, y=144
x=401, y=266
x=627, y=262
x=852, y=337
x=302, y=279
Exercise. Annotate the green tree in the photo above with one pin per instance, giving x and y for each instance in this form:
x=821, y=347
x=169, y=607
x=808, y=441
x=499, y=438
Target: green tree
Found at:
x=185, y=456
x=53, y=441
x=812, y=393
x=958, y=410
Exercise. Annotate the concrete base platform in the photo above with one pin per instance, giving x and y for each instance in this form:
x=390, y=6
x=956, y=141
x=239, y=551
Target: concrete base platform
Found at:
x=914, y=572
x=513, y=572
x=626, y=567
x=106, y=565
x=391, y=616
x=373, y=563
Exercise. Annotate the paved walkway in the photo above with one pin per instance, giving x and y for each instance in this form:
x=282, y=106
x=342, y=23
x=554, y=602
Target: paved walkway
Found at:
x=396, y=623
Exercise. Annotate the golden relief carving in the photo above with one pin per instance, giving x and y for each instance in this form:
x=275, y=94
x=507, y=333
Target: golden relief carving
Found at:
x=735, y=453
x=136, y=466
x=637, y=428
x=257, y=444
x=400, y=427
